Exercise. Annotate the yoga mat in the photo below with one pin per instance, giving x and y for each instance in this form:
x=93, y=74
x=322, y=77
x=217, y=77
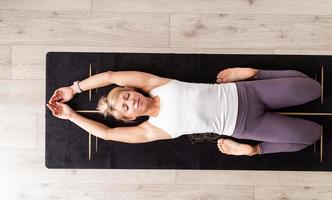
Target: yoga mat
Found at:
x=68, y=146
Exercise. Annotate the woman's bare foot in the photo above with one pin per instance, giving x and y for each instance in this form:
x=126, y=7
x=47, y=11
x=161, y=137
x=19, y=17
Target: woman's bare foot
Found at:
x=235, y=74
x=231, y=147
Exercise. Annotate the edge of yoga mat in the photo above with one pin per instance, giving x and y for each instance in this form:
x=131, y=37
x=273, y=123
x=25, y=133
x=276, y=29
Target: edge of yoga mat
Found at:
x=67, y=145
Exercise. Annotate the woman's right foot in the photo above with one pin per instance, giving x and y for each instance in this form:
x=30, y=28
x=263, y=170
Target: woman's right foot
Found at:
x=235, y=74
x=231, y=147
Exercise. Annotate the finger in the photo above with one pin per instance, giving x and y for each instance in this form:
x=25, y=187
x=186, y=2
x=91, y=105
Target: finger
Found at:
x=55, y=94
x=53, y=112
x=51, y=101
x=54, y=108
x=50, y=106
x=53, y=105
x=60, y=94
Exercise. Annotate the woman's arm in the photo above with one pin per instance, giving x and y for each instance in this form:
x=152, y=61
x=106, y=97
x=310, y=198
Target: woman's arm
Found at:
x=141, y=80
x=135, y=134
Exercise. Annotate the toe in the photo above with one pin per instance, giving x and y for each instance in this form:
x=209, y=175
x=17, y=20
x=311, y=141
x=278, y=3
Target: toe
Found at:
x=221, y=141
x=220, y=149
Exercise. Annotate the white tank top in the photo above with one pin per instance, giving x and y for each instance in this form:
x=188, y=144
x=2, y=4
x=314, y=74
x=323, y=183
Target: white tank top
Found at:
x=187, y=108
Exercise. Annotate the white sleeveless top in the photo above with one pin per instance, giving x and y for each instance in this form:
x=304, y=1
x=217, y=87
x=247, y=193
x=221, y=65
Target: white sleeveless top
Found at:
x=187, y=108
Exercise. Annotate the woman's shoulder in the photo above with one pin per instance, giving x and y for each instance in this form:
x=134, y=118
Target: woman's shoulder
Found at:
x=159, y=82
x=154, y=133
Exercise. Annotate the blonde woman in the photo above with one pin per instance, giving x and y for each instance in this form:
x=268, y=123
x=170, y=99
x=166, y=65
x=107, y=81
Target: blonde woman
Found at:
x=237, y=105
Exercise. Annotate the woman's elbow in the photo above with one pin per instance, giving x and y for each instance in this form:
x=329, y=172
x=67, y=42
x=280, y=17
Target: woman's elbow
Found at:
x=105, y=135
x=109, y=75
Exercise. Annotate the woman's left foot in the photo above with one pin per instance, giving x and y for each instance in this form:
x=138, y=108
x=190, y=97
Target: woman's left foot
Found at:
x=235, y=74
x=231, y=147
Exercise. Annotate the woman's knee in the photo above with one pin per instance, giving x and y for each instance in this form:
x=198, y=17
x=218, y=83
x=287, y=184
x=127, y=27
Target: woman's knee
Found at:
x=315, y=131
x=308, y=88
x=315, y=88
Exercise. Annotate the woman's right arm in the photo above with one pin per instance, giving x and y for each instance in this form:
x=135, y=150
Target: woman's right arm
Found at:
x=141, y=80
x=65, y=94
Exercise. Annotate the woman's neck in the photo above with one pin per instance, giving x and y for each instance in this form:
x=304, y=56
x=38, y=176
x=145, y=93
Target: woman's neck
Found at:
x=154, y=106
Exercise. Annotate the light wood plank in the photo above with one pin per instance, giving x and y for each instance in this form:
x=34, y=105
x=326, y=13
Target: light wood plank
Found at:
x=29, y=61
x=251, y=31
x=258, y=178
x=18, y=131
x=98, y=29
x=5, y=57
x=127, y=191
x=22, y=96
x=59, y=5
x=302, y=52
x=292, y=193
x=28, y=166
x=312, y=7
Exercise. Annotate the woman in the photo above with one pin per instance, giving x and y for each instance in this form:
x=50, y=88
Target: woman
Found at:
x=233, y=107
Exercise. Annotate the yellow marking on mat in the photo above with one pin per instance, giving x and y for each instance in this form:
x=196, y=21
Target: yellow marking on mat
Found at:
x=322, y=86
x=89, y=146
x=96, y=88
x=96, y=144
x=87, y=111
x=282, y=113
x=90, y=76
x=304, y=113
x=321, y=143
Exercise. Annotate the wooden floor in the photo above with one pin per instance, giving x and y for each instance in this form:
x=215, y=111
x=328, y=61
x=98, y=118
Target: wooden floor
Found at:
x=30, y=29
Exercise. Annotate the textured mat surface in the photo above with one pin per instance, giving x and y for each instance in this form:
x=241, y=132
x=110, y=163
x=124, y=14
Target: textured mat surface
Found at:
x=68, y=146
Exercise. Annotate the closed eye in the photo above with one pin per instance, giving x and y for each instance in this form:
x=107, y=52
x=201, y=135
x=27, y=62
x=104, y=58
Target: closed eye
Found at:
x=126, y=96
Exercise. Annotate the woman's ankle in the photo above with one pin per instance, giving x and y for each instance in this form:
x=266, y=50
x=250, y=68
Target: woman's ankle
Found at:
x=256, y=74
x=256, y=150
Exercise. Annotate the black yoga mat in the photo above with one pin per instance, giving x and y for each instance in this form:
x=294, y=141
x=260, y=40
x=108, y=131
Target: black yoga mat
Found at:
x=68, y=146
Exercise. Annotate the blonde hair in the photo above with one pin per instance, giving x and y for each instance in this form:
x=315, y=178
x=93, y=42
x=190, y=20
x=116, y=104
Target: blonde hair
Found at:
x=106, y=103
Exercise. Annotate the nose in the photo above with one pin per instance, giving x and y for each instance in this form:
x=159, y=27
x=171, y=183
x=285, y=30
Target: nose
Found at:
x=131, y=102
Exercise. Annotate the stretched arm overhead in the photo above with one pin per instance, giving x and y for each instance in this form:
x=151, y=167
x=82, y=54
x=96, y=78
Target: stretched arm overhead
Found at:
x=135, y=134
x=141, y=80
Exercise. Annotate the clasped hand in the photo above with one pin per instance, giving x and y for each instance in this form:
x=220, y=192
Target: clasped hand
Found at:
x=57, y=103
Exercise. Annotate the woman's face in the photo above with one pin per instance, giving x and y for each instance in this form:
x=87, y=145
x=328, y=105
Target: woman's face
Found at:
x=131, y=104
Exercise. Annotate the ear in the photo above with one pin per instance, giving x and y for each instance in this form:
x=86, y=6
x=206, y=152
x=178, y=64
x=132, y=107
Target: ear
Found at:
x=133, y=118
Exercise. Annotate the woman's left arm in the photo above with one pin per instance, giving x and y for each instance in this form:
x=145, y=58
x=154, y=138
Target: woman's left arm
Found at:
x=135, y=134
x=63, y=111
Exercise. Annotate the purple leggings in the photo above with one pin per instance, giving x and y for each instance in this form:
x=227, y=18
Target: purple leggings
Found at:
x=272, y=89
